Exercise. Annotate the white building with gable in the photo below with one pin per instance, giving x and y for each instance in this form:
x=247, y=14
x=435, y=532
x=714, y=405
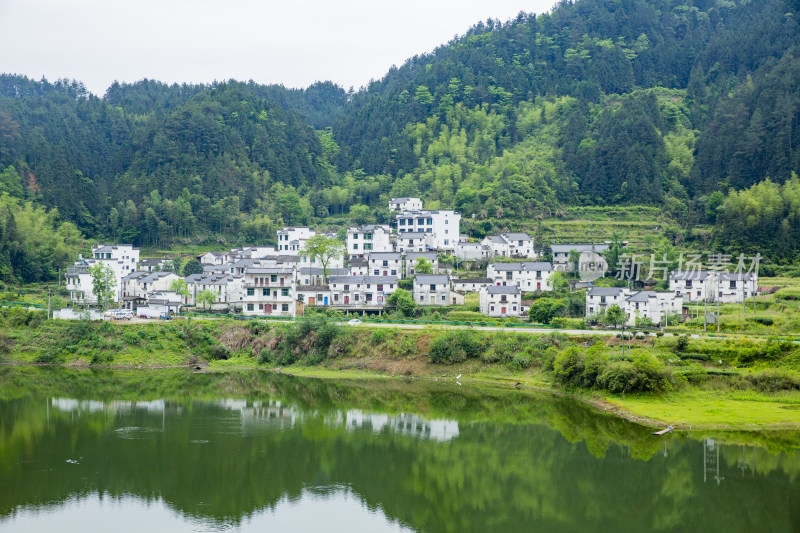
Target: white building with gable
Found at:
x=442, y=226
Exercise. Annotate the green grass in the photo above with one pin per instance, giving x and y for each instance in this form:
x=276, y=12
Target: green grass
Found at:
x=693, y=408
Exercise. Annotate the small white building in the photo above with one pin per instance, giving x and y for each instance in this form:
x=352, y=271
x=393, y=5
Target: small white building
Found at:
x=711, y=286
x=471, y=251
x=599, y=299
x=432, y=289
x=363, y=291
x=411, y=258
x=501, y=301
x=316, y=275
x=413, y=241
x=314, y=295
x=520, y=245
x=358, y=266
x=497, y=246
x=405, y=204
x=367, y=239
x=211, y=258
x=466, y=285
x=652, y=305
x=442, y=226
x=561, y=252
x=385, y=264
x=121, y=258
x=527, y=276
x=291, y=239
x=269, y=292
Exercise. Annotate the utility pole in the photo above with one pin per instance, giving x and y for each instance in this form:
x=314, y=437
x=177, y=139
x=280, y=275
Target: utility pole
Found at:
x=717, y=314
x=49, y=295
x=705, y=313
x=754, y=296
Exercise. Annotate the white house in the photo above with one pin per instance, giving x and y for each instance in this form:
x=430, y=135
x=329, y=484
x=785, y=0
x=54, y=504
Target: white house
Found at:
x=367, y=239
x=699, y=285
x=693, y=285
x=227, y=289
x=413, y=241
x=561, y=252
x=527, y=276
x=442, y=226
x=291, y=239
x=358, y=266
x=411, y=258
x=520, y=244
x=350, y=291
x=160, y=304
x=500, y=301
x=121, y=258
x=497, y=245
x=314, y=295
x=511, y=245
x=652, y=305
x=385, y=264
x=471, y=284
x=138, y=286
x=269, y=291
x=405, y=204
x=432, y=289
x=599, y=299
x=736, y=287
x=471, y=251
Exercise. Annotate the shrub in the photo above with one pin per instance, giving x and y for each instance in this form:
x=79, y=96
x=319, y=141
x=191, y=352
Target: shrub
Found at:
x=219, y=352
x=379, y=336
x=568, y=366
x=521, y=361
x=454, y=347
x=644, y=374
x=682, y=344
x=568, y=323
x=774, y=380
x=543, y=310
x=763, y=320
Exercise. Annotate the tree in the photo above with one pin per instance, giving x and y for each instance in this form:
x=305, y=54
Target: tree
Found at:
x=192, y=266
x=615, y=315
x=179, y=286
x=323, y=249
x=558, y=281
x=544, y=309
x=423, y=266
x=206, y=299
x=103, y=283
x=574, y=259
x=402, y=300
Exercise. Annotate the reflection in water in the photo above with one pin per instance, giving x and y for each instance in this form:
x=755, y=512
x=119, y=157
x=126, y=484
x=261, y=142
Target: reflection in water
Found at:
x=338, y=511
x=263, y=451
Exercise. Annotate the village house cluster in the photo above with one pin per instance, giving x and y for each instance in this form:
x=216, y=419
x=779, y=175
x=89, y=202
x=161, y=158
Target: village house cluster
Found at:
x=282, y=282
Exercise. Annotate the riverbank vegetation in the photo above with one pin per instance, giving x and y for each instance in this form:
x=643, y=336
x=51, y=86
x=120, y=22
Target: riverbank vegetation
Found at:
x=629, y=371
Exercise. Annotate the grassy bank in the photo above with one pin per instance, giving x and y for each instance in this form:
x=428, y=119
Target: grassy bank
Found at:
x=686, y=382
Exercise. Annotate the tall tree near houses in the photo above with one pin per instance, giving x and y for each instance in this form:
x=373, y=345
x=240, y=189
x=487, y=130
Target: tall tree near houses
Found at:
x=103, y=284
x=323, y=250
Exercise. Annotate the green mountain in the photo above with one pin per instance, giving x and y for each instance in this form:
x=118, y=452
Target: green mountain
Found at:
x=668, y=103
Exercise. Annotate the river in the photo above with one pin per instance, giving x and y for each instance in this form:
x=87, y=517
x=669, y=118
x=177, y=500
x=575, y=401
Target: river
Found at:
x=172, y=450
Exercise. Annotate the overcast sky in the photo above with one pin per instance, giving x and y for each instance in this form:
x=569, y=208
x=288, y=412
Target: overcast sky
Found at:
x=291, y=42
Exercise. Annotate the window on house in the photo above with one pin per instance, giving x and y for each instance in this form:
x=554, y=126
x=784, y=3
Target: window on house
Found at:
x=335, y=297
x=394, y=272
x=284, y=307
x=273, y=278
x=264, y=292
x=433, y=286
x=251, y=292
x=376, y=272
x=379, y=288
x=284, y=292
x=347, y=287
x=355, y=246
x=386, y=263
x=733, y=284
x=250, y=307
x=355, y=297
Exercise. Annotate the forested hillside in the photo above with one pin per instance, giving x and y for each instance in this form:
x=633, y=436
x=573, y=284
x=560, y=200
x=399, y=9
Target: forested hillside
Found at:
x=670, y=103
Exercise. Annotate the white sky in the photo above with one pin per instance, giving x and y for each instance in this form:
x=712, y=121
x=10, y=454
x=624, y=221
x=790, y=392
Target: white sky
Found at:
x=198, y=41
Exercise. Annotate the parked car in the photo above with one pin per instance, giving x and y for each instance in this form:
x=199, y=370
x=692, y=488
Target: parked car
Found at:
x=354, y=322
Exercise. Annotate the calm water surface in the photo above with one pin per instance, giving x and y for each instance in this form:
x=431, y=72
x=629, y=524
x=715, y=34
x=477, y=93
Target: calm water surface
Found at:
x=175, y=451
